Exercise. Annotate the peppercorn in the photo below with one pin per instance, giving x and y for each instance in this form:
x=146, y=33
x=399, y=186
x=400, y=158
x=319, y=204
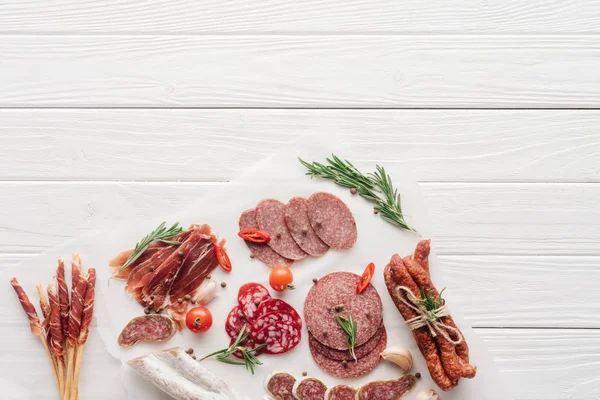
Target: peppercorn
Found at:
x=315, y=280
x=252, y=255
x=180, y=300
x=187, y=297
x=418, y=375
x=190, y=351
x=304, y=373
x=375, y=211
x=207, y=276
x=223, y=284
x=345, y=364
x=146, y=311
x=353, y=190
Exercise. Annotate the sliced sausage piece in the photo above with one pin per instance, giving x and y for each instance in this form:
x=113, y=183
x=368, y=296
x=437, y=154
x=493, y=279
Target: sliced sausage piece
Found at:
x=262, y=251
x=250, y=296
x=341, y=355
x=340, y=392
x=297, y=222
x=147, y=328
x=280, y=385
x=392, y=389
x=309, y=389
x=279, y=337
x=269, y=319
x=332, y=220
x=270, y=215
x=235, y=322
x=350, y=369
x=276, y=306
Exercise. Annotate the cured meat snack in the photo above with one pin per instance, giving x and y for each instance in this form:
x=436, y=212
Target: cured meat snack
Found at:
x=280, y=386
x=63, y=297
x=279, y=337
x=340, y=392
x=298, y=224
x=392, y=389
x=345, y=355
x=150, y=328
x=271, y=318
x=271, y=305
x=335, y=295
x=250, y=296
x=309, y=389
x=395, y=275
x=350, y=369
x=56, y=338
x=270, y=215
x=262, y=251
x=332, y=220
x=421, y=254
x=234, y=322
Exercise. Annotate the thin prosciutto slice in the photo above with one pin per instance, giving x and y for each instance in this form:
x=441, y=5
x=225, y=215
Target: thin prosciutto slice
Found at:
x=63, y=297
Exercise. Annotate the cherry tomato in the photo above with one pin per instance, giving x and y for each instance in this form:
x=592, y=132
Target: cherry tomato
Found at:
x=222, y=258
x=366, y=277
x=198, y=319
x=281, y=278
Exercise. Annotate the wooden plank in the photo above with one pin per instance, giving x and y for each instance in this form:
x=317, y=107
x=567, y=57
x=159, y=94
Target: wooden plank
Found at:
x=346, y=71
x=435, y=145
x=289, y=17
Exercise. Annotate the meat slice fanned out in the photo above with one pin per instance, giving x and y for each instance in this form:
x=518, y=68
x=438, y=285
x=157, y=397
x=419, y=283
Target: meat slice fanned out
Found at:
x=262, y=251
x=298, y=224
x=332, y=220
x=147, y=328
x=270, y=215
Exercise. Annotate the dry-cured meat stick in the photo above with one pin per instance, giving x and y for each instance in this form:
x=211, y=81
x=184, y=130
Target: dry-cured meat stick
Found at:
x=34, y=322
x=63, y=297
x=421, y=254
x=45, y=307
x=56, y=336
x=77, y=297
x=86, y=320
x=395, y=274
x=422, y=279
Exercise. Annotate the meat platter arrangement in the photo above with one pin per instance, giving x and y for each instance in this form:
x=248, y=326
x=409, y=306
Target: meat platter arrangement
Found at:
x=285, y=286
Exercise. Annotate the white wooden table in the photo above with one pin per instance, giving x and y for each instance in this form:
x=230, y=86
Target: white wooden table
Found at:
x=119, y=108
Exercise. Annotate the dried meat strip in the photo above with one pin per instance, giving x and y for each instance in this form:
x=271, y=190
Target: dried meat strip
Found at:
x=262, y=251
x=332, y=220
x=270, y=215
x=147, y=328
x=34, y=320
x=88, y=306
x=392, y=389
x=63, y=297
x=76, y=311
x=56, y=333
x=421, y=254
x=298, y=224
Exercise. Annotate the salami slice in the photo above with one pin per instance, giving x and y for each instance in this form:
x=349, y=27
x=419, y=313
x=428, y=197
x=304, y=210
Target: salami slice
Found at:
x=340, y=392
x=276, y=306
x=350, y=369
x=250, y=296
x=262, y=251
x=392, y=389
x=147, y=328
x=249, y=343
x=235, y=321
x=309, y=389
x=271, y=318
x=341, y=355
x=279, y=337
x=332, y=220
x=335, y=295
x=297, y=222
x=270, y=215
x=280, y=385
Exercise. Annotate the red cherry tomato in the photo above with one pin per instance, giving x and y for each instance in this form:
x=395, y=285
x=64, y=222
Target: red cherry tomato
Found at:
x=281, y=278
x=198, y=319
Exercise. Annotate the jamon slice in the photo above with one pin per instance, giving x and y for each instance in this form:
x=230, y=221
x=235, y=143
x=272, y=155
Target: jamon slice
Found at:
x=119, y=260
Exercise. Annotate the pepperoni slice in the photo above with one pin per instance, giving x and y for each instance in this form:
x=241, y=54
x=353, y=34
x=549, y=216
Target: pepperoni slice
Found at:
x=250, y=296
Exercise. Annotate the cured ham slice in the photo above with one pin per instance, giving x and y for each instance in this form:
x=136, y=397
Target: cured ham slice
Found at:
x=63, y=297
x=175, y=373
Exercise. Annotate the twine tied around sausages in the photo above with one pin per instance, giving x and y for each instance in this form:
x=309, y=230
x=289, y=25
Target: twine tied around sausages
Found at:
x=429, y=319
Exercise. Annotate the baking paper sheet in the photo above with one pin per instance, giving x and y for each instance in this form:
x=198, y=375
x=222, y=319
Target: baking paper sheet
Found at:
x=280, y=177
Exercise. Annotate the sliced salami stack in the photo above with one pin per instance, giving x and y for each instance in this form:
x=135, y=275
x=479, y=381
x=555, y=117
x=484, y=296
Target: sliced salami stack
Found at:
x=269, y=321
x=335, y=295
x=300, y=228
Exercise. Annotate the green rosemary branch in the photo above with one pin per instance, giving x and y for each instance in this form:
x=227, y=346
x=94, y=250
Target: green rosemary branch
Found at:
x=349, y=327
x=429, y=304
x=162, y=233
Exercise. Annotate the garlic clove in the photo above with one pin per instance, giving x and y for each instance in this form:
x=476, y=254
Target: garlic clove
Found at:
x=428, y=394
x=399, y=356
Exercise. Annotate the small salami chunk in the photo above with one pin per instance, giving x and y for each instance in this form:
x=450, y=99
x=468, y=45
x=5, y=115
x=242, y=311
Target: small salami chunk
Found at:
x=147, y=328
x=279, y=337
x=234, y=322
x=296, y=219
x=340, y=392
x=270, y=215
x=276, y=306
x=269, y=319
x=249, y=343
x=250, y=296
x=350, y=369
x=280, y=385
x=332, y=220
x=309, y=389
x=392, y=389
x=262, y=251
x=344, y=355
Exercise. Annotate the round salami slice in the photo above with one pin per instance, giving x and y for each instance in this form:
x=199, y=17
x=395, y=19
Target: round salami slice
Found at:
x=335, y=295
x=332, y=220
x=296, y=220
x=276, y=306
x=309, y=389
x=280, y=385
x=270, y=215
x=279, y=337
x=262, y=251
x=350, y=369
x=344, y=355
x=250, y=296
x=340, y=392
x=235, y=321
x=269, y=319
x=249, y=343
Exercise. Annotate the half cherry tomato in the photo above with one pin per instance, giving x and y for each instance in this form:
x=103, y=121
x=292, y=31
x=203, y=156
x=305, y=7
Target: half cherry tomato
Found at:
x=254, y=235
x=281, y=278
x=366, y=277
x=222, y=258
x=198, y=319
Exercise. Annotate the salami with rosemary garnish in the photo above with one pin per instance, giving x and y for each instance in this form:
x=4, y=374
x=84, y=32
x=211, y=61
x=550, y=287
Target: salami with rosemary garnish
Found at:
x=345, y=355
x=279, y=337
x=262, y=251
x=297, y=222
x=250, y=296
x=248, y=343
x=332, y=220
x=270, y=215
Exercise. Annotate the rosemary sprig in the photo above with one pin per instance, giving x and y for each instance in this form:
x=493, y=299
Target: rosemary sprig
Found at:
x=429, y=304
x=376, y=187
x=349, y=327
x=162, y=233
x=249, y=359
